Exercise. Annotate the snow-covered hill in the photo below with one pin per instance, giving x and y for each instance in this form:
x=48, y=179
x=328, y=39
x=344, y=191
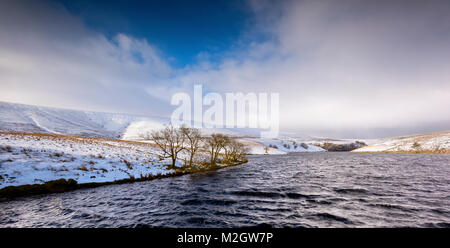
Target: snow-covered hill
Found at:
x=433, y=142
x=28, y=118
x=279, y=146
x=37, y=119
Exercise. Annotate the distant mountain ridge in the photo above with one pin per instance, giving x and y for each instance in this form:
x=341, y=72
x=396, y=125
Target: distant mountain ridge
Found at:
x=30, y=118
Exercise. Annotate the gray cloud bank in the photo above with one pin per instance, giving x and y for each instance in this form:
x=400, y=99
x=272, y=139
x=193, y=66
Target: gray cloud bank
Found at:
x=342, y=68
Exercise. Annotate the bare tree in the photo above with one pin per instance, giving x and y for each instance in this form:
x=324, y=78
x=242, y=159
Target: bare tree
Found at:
x=215, y=144
x=170, y=140
x=193, y=140
x=236, y=151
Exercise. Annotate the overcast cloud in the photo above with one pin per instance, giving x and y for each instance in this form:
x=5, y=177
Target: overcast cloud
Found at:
x=342, y=68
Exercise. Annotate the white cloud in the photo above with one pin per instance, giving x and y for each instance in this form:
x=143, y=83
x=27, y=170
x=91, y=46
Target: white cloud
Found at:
x=348, y=65
x=49, y=57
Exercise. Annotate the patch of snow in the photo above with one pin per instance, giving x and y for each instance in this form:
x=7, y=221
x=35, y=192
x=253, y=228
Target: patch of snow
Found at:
x=279, y=146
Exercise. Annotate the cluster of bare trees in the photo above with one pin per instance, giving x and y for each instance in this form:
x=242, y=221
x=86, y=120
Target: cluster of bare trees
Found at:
x=224, y=149
x=220, y=148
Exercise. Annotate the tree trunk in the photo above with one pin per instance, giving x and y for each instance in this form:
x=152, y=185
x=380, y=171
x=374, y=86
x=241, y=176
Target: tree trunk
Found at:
x=173, y=162
x=190, y=159
x=212, y=157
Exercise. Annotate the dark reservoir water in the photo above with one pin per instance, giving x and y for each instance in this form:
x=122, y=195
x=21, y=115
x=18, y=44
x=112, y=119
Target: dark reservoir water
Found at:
x=295, y=190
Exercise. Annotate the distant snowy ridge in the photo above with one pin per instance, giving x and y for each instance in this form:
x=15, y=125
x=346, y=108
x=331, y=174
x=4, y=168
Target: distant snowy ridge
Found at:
x=37, y=119
x=29, y=118
x=433, y=142
x=279, y=146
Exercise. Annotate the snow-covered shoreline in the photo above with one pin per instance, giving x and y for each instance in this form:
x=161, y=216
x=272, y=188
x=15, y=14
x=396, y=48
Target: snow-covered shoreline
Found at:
x=37, y=158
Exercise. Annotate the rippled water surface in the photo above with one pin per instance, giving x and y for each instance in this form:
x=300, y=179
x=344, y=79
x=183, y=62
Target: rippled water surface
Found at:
x=295, y=190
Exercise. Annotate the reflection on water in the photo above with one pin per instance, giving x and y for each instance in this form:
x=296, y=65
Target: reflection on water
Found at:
x=295, y=190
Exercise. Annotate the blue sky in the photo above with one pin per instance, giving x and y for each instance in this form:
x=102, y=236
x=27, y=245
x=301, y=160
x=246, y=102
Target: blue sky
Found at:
x=180, y=29
x=344, y=68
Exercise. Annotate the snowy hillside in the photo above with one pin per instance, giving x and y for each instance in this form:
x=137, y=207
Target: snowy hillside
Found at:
x=38, y=158
x=279, y=146
x=36, y=119
x=27, y=118
x=433, y=142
